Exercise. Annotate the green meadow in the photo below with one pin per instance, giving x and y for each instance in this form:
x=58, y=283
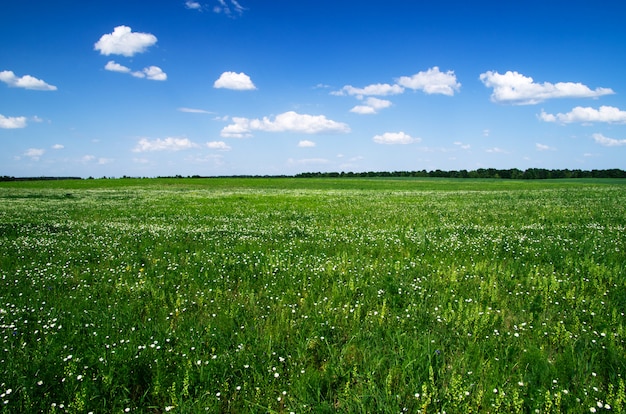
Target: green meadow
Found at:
x=281, y=295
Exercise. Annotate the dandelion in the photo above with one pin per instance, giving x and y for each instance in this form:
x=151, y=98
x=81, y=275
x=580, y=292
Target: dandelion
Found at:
x=276, y=375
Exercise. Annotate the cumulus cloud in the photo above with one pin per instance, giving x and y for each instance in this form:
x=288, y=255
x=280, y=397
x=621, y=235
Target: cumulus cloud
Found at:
x=608, y=114
x=12, y=122
x=285, y=122
x=517, y=89
x=432, y=81
x=372, y=106
x=395, y=138
x=218, y=145
x=235, y=81
x=151, y=72
x=167, y=144
x=123, y=41
x=26, y=82
x=306, y=144
x=58, y=146
x=34, y=153
x=608, y=142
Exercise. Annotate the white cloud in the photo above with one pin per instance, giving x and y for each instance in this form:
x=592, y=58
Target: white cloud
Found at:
x=123, y=41
x=235, y=81
x=26, y=82
x=462, y=145
x=218, y=145
x=608, y=142
x=151, y=72
x=395, y=138
x=193, y=5
x=12, y=122
x=543, y=147
x=58, y=146
x=306, y=144
x=379, y=89
x=194, y=111
x=496, y=150
x=608, y=114
x=155, y=73
x=34, y=153
x=228, y=8
x=372, y=105
x=116, y=67
x=167, y=144
x=285, y=122
x=432, y=81
x=517, y=89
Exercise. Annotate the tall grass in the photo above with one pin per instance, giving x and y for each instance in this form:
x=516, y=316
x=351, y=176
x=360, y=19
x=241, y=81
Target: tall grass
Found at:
x=312, y=296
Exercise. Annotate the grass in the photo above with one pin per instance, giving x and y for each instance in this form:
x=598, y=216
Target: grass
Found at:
x=312, y=295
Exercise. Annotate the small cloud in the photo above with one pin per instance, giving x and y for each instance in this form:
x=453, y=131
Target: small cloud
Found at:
x=167, y=144
x=378, y=89
x=517, y=89
x=151, y=72
x=432, y=81
x=395, y=138
x=218, y=145
x=58, y=146
x=285, y=122
x=228, y=8
x=543, y=147
x=607, y=114
x=116, y=67
x=193, y=5
x=462, y=145
x=372, y=105
x=123, y=41
x=34, y=153
x=12, y=122
x=26, y=82
x=496, y=150
x=194, y=111
x=88, y=158
x=608, y=142
x=235, y=81
x=486, y=132
x=306, y=144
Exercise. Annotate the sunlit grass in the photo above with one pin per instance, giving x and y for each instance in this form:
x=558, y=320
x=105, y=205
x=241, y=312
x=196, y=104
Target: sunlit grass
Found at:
x=268, y=295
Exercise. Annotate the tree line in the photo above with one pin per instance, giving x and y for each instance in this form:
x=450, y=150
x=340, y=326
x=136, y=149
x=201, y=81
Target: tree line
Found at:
x=512, y=173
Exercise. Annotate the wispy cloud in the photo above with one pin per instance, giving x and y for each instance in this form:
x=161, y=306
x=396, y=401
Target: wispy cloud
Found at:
x=285, y=122
x=195, y=111
x=377, y=89
x=123, y=41
x=12, y=122
x=607, y=114
x=543, y=147
x=26, y=82
x=608, y=142
x=193, y=5
x=167, y=144
x=34, y=153
x=395, y=138
x=517, y=89
x=218, y=145
x=235, y=81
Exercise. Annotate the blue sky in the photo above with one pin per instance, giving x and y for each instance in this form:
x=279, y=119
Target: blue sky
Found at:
x=225, y=87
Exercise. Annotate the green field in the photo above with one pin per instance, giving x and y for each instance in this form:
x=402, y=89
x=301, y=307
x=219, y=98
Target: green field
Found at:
x=312, y=295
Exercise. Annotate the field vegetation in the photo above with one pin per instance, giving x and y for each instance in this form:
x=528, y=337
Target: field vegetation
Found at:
x=312, y=295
